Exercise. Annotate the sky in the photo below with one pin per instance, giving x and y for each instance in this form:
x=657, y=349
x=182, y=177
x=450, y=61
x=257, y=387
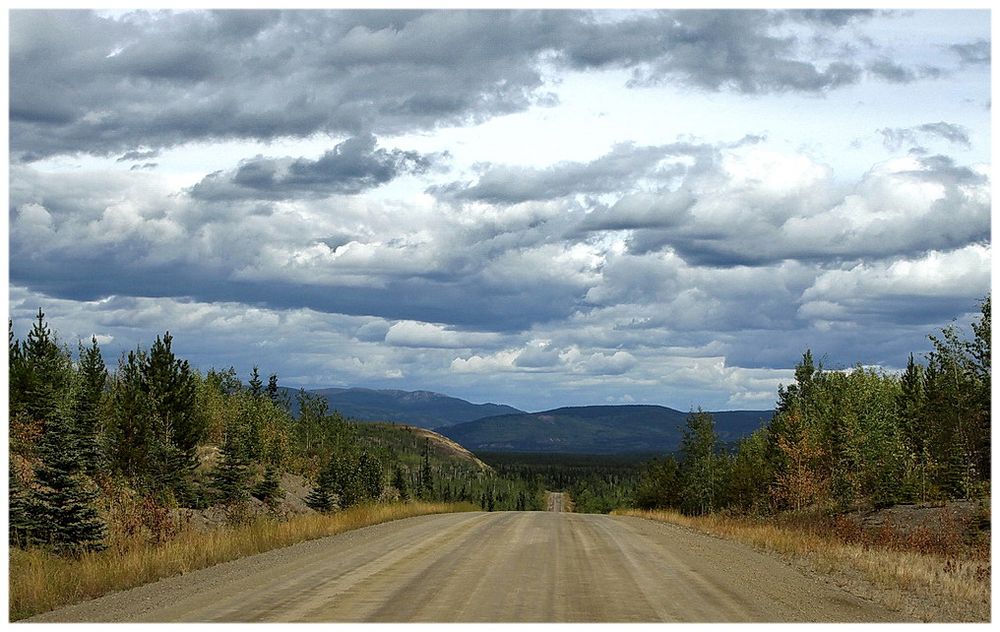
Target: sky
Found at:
x=539, y=208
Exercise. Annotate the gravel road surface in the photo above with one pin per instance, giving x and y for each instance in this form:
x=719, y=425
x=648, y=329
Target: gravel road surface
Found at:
x=504, y=566
x=555, y=501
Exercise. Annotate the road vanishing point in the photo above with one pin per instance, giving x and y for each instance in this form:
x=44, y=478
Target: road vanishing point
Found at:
x=493, y=567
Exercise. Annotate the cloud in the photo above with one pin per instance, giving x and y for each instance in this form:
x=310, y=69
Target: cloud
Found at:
x=712, y=50
x=83, y=82
x=894, y=138
x=624, y=164
x=349, y=168
x=975, y=53
x=409, y=333
x=962, y=273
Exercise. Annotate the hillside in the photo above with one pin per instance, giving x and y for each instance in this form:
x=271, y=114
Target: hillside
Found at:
x=596, y=429
x=418, y=408
x=405, y=444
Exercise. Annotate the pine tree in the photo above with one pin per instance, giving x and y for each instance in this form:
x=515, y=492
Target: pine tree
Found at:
x=128, y=441
x=169, y=386
x=92, y=377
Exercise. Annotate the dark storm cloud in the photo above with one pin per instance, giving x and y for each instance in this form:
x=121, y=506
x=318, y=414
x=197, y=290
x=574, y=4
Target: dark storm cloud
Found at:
x=80, y=82
x=712, y=50
x=351, y=167
x=832, y=17
x=973, y=53
x=613, y=172
x=134, y=155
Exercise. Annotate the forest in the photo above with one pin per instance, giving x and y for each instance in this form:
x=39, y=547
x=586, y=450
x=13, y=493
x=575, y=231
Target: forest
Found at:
x=845, y=438
x=83, y=437
x=84, y=441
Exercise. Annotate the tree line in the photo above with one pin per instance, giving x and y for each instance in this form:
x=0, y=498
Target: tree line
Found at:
x=161, y=428
x=843, y=438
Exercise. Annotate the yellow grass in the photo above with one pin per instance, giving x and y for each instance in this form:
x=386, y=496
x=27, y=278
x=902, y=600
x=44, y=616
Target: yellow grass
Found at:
x=962, y=584
x=40, y=581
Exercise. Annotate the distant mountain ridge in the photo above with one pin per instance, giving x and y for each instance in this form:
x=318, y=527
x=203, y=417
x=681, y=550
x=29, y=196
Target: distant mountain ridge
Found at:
x=501, y=428
x=416, y=408
x=596, y=429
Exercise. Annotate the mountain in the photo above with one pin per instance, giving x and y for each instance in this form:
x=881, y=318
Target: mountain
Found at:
x=416, y=408
x=596, y=429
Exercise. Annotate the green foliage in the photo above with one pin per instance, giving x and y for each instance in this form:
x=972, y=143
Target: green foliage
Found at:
x=269, y=489
x=169, y=387
x=231, y=476
x=92, y=378
x=399, y=482
x=848, y=438
x=701, y=470
x=659, y=485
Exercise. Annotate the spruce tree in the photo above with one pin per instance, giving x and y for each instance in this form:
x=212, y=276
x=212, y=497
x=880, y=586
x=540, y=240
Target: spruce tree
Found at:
x=399, y=482
x=22, y=531
x=321, y=498
x=269, y=489
x=92, y=377
x=230, y=477
x=426, y=491
x=64, y=502
x=256, y=385
x=47, y=373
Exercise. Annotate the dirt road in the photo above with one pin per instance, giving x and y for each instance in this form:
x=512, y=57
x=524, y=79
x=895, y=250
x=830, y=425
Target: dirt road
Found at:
x=506, y=566
x=555, y=501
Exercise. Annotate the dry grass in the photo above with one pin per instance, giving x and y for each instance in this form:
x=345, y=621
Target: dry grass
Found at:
x=40, y=581
x=959, y=587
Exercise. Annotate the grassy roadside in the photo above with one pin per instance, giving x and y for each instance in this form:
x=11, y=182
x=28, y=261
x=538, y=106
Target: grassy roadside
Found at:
x=930, y=586
x=40, y=581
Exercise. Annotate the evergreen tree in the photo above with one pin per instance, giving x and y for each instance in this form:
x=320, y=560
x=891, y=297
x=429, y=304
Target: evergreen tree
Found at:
x=47, y=373
x=230, y=477
x=256, y=385
x=426, y=491
x=169, y=387
x=269, y=489
x=322, y=496
x=129, y=434
x=399, y=482
x=17, y=385
x=22, y=531
x=370, y=474
x=92, y=377
x=659, y=485
x=64, y=503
